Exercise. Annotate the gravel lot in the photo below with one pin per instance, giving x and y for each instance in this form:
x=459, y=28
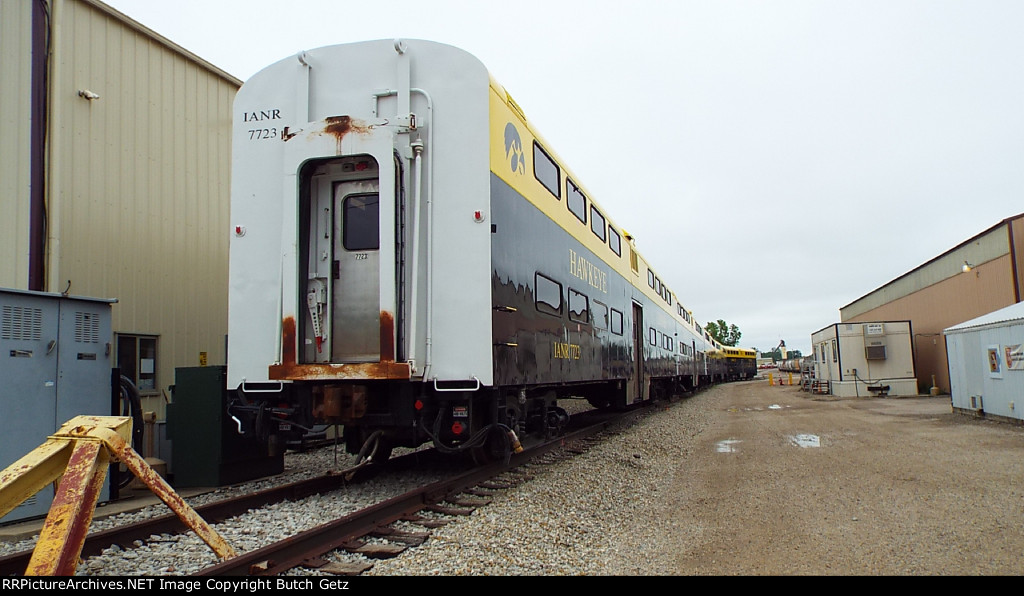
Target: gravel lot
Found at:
x=742, y=479
x=752, y=479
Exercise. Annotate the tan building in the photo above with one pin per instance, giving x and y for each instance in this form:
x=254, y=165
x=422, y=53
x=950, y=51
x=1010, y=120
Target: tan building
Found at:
x=978, y=276
x=114, y=180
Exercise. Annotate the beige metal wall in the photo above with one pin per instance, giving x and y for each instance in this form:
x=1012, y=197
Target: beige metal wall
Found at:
x=839, y=350
x=137, y=186
x=939, y=294
x=15, y=93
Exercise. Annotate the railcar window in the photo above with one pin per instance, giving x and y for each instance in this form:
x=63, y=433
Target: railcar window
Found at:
x=546, y=170
x=549, y=295
x=362, y=223
x=614, y=241
x=579, y=307
x=597, y=223
x=576, y=201
x=600, y=315
x=616, y=322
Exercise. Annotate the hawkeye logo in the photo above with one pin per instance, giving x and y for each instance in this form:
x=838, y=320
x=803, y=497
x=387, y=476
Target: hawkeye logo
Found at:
x=514, y=149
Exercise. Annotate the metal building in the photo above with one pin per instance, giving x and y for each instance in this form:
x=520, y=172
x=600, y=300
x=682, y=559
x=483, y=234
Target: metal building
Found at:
x=114, y=180
x=986, y=364
x=978, y=276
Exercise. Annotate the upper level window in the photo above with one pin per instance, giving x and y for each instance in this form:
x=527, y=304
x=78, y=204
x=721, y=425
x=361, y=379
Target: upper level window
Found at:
x=576, y=201
x=546, y=170
x=597, y=223
x=650, y=278
x=614, y=241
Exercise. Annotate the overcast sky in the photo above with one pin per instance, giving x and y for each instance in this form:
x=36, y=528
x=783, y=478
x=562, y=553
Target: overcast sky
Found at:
x=775, y=161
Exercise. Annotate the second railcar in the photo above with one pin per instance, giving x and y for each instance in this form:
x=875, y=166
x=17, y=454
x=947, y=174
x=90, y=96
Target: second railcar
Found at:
x=412, y=261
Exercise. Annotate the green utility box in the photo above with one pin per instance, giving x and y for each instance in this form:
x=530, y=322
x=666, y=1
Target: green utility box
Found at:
x=206, y=448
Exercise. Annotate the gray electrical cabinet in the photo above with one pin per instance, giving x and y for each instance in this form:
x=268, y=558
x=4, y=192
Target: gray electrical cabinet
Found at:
x=55, y=364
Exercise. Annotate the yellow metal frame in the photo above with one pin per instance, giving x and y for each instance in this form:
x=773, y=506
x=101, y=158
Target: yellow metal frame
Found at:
x=78, y=455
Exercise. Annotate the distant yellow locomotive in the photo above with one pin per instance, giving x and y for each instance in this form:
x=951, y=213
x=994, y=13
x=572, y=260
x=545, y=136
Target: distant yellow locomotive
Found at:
x=411, y=260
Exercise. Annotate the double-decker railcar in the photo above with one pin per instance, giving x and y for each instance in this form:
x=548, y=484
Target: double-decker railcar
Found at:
x=412, y=261
x=740, y=363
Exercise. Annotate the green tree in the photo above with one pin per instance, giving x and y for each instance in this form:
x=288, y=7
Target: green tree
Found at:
x=725, y=334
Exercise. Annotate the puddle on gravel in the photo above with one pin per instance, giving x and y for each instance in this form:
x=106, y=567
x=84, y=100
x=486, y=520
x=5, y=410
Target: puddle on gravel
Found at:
x=805, y=441
x=727, y=446
x=735, y=409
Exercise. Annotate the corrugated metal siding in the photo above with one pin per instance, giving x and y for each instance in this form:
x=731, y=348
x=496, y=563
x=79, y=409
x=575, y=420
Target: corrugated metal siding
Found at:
x=15, y=113
x=140, y=183
x=981, y=250
x=938, y=306
x=1017, y=231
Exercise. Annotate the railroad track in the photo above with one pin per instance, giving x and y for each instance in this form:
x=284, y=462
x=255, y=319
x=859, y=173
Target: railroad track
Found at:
x=457, y=495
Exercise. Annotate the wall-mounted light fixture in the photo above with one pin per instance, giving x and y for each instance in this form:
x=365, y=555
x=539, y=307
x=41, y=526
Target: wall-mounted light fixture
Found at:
x=967, y=267
x=88, y=94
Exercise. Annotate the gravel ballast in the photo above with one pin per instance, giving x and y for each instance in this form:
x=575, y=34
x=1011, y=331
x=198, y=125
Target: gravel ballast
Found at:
x=742, y=479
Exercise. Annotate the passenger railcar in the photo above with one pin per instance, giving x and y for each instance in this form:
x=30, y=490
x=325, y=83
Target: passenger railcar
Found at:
x=740, y=363
x=411, y=260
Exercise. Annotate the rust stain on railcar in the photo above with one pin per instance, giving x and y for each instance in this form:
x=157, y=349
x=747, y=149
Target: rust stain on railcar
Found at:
x=336, y=126
x=339, y=126
x=288, y=340
x=387, y=368
x=387, y=337
x=340, y=372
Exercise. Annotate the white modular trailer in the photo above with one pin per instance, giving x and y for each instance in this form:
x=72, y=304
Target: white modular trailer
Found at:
x=986, y=363
x=345, y=126
x=866, y=359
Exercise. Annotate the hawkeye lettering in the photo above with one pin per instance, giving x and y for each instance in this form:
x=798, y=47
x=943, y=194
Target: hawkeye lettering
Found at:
x=588, y=272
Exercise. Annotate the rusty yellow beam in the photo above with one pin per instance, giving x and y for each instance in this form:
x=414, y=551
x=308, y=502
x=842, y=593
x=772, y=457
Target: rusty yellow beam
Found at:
x=120, y=448
x=63, y=534
x=32, y=473
x=81, y=450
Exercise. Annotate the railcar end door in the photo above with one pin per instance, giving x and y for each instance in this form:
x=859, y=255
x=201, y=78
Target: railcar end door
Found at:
x=355, y=336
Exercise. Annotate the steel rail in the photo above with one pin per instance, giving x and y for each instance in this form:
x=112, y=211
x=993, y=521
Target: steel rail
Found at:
x=306, y=547
x=96, y=542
